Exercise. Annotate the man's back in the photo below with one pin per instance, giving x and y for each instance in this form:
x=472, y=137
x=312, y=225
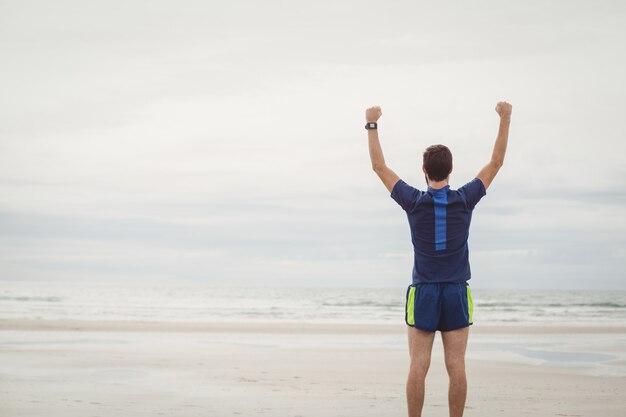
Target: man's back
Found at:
x=439, y=220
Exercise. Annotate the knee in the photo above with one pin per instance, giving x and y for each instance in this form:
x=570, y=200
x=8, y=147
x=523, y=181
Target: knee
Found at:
x=419, y=368
x=456, y=368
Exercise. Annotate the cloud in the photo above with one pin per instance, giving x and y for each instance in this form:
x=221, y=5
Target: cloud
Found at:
x=224, y=143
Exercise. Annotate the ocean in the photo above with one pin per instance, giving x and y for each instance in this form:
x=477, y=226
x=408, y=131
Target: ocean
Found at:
x=205, y=303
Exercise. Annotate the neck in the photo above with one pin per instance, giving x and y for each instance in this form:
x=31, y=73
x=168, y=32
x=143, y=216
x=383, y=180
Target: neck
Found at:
x=438, y=184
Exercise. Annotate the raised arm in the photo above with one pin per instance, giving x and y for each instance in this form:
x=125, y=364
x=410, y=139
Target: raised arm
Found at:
x=388, y=177
x=489, y=171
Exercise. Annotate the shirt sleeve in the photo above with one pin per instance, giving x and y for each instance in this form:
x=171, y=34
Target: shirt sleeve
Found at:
x=405, y=195
x=473, y=191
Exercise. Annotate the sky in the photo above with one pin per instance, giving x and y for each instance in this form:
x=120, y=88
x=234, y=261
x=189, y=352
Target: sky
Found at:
x=223, y=142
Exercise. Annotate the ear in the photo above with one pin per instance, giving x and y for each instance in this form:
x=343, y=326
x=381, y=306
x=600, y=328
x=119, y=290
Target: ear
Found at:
x=424, y=169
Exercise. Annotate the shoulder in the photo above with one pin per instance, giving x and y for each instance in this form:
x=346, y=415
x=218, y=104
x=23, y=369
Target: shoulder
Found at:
x=403, y=186
x=475, y=184
x=472, y=192
x=406, y=195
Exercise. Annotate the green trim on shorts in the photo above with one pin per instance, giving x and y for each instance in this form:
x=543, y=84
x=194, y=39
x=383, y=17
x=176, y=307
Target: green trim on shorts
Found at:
x=410, y=310
x=470, y=304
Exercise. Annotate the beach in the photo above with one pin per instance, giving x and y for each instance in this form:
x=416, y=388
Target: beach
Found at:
x=147, y=368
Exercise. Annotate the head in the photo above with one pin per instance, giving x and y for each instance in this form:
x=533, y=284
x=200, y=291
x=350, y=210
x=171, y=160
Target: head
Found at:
x=437, y=163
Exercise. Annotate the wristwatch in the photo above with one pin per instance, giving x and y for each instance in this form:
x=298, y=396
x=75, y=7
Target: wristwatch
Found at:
x=371, y=125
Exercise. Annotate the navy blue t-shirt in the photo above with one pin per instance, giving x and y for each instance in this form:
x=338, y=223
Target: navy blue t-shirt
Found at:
x=440, y=221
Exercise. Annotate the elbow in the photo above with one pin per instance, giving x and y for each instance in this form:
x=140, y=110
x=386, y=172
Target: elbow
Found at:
x=377, y=167
x=497, y=163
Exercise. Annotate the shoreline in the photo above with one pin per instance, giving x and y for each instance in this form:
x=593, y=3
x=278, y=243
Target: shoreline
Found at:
x=275, y=327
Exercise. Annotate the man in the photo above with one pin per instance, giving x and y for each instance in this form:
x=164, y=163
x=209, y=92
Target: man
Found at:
x=439, y=297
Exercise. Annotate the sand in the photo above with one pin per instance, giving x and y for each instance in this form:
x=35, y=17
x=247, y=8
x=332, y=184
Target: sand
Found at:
x=74, y=368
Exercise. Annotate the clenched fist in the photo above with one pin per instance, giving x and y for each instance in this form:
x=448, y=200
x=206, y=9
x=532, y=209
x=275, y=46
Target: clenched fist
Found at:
x=373, y=114
x=504, y=109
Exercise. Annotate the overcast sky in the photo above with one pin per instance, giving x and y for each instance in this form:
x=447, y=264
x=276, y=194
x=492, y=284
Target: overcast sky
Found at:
x=223, y=142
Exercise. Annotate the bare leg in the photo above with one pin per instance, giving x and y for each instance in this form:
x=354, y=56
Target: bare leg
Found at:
x=454, y=345
x=420, y=347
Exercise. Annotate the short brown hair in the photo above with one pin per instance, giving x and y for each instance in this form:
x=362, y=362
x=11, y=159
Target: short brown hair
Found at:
x=438, y=162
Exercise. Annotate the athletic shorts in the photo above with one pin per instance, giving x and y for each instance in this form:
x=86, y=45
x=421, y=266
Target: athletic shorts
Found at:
x=442, y=306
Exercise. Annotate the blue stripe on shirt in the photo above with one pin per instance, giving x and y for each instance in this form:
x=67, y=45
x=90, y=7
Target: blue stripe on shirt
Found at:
x=441, y=201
